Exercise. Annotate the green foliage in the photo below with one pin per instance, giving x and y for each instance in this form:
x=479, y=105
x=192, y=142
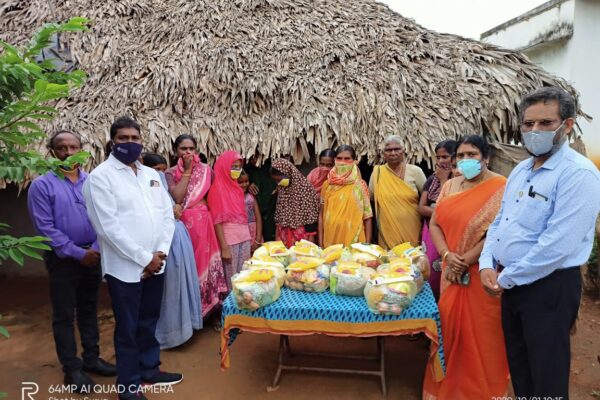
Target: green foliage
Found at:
x=3, y=330
x=28, y=90
x=18, y=248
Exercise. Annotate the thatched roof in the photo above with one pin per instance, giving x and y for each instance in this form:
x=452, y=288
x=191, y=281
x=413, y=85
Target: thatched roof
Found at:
x=274, y=75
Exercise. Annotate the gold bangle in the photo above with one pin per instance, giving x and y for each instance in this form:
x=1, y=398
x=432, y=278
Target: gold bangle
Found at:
x=444, y=255
x=186, y=174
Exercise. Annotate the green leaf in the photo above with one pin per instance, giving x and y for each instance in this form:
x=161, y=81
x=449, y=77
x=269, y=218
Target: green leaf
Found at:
x=16, y=256
x=39, y=246
x=4, y=332
x=26, y=250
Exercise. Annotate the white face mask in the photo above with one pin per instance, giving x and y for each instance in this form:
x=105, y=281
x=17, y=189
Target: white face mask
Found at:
x=542, y=143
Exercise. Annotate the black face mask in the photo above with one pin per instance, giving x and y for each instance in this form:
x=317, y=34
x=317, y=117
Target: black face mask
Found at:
x=128, y=152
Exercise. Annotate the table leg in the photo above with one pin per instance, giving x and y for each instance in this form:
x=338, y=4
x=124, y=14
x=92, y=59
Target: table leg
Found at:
x=283, y=339
x=381, y=345
x=288, y=348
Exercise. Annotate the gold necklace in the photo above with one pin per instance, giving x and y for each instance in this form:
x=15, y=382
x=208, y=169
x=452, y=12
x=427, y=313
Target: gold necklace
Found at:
x=475, y=183
x=401, y=171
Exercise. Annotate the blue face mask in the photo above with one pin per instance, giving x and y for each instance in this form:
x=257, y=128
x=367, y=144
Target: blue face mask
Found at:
x=128, y=152
x=469, y=167
x=543, y=143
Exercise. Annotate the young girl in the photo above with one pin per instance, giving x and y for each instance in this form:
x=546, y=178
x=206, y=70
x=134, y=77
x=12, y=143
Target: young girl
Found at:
x=253, y=211
x=228, y=210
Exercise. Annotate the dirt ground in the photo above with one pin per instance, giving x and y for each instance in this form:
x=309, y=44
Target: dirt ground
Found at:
x=29, y=356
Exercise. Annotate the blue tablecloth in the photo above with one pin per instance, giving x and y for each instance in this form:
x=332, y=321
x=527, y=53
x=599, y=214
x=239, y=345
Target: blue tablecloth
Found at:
x=301, y=313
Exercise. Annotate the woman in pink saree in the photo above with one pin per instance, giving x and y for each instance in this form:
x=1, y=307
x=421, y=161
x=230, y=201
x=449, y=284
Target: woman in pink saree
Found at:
x=189, y=182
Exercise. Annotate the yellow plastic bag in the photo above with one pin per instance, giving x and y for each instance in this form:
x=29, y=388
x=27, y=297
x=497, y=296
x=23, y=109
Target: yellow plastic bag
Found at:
x=254, y=275
x=308, y=274
x=390, y=294
x=304, y=248
x=263, y=253
x=416, y=255
x=305, y=263
x=252, y=290
x=276, y=249
x=275, y=266
x=369, y=255
x=349, y=278
x=332, y=253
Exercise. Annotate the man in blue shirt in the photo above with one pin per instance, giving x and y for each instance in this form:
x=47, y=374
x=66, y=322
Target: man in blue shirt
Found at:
x=542, y=234
x=58, y=211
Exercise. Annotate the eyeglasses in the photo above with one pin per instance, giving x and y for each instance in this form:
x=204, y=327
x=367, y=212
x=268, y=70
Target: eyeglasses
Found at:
x=545, y=124
x=394, y=150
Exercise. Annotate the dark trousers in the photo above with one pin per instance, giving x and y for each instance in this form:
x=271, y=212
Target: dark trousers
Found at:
x=74, y=293
x=136, y=307
x=537, y=321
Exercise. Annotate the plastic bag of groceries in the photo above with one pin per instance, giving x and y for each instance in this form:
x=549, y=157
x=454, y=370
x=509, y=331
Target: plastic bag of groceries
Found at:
x=369, y=255
x=309, y=274
x=255, y=288
x=390, y=294
x=276, y=250
x=403, y=266
x=304, y=248
x=415, y=254
x=267, y=262
x=349, y=278
x=332, y=253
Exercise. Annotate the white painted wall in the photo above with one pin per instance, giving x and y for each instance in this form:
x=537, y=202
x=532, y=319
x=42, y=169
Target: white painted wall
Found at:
x=585, y=70
x=576, y=59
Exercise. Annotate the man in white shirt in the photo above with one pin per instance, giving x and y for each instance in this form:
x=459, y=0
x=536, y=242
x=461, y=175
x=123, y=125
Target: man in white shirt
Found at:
x=133, y=218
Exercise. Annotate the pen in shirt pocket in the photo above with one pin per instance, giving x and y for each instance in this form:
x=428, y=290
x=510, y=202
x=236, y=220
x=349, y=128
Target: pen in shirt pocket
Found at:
x=535, y=195
x=154, y=183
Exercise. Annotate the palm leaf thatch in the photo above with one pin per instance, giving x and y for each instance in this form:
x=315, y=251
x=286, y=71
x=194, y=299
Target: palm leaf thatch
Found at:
x=277, y=75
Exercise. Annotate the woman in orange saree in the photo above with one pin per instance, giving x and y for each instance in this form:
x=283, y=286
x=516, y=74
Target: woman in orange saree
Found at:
x=476, y=364
x=395, y=188
x=345, y=215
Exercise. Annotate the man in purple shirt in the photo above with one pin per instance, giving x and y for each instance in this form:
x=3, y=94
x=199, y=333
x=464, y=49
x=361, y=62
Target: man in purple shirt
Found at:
x=57, y=209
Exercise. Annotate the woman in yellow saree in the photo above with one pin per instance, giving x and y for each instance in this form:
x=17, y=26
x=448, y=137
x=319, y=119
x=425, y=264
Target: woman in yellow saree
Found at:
x=474, y=350
x=395, y=187
x=346, y=214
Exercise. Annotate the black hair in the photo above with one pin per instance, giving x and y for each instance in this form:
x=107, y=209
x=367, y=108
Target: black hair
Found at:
x=153, y=159
x=347, y=148
x=327, y=153
x=108, y=148
x=449, y=145
x=566, y=102
x=181, y=138
x=122, y=123
x=275, y=171
x=52, y=138
x=476, y=141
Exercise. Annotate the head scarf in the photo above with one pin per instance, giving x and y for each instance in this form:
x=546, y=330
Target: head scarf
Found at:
x=226, y=197
x=317, y=177
x=434, y=189
x=296, y=204
x=343, y=173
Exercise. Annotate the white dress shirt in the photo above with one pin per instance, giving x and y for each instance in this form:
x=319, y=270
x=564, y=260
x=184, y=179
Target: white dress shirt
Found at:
x=132, y=215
